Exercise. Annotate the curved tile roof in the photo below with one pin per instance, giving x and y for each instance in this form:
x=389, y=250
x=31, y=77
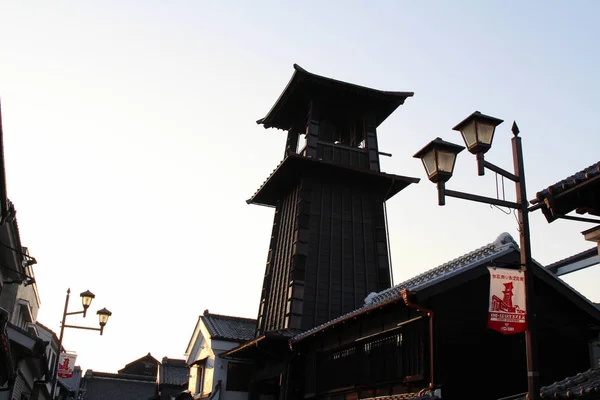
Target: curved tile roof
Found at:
x=229, y=328
x=567, y=183
x=584, y=385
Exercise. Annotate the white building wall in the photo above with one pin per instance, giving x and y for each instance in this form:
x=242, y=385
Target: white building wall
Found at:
x=221, y=374
x=215, y=367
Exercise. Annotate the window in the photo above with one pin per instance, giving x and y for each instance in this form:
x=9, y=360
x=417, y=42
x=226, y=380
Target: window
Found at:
x=196, y=383
x=238, y=376
x=52, y=362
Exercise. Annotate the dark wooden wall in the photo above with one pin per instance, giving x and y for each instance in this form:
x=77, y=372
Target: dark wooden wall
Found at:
x=328, y=251
x=467, y=351
x=346, y=255
x=274, y=298
x=471, y=361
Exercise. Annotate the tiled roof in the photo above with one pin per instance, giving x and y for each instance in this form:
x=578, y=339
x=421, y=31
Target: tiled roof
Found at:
x=585, y=385
x=567, y=183
x=173, y=372
x=574, y=258
x=229, y=328
x=407, y=396
x=292, y=104
x=90, y=374
x=294, y=165
x=145, y=365
x=503, y=244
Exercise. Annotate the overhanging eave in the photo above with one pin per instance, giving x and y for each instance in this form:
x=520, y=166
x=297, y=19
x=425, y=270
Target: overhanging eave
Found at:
x=294, y=167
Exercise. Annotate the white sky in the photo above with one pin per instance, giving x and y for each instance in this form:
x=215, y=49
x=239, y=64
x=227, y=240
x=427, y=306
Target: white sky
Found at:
x=131, y=143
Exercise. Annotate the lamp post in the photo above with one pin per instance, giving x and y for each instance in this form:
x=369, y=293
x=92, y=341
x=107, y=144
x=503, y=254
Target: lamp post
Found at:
x=86, y=300
x=439, y=157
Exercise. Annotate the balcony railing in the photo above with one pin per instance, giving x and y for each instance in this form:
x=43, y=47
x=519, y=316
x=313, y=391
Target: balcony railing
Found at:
x=394, y=356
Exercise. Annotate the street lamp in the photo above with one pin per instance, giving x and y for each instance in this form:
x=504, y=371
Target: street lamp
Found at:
x=103, y=316
x=438, y=158
x=86, y=301
x=477, y=131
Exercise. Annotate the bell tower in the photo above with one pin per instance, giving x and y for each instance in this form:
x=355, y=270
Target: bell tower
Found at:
x=329, y=244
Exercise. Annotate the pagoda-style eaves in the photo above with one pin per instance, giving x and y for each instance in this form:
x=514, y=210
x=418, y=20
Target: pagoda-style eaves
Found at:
x=304, y=87
x=328, y=194
x=295, y=166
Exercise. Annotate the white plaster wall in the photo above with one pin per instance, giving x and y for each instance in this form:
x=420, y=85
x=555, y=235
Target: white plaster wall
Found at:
x=202, y=346
x=221, y=374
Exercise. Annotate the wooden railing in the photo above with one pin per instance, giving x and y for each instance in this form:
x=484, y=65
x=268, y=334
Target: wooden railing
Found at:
x=394, y=356
x=344, y=155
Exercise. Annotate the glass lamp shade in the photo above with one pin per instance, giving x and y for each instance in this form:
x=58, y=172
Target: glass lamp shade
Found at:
x=86, y=298
x=445, y=161
x=477, y=131
x=429, y=163
x=438, y=158
x=103, y=316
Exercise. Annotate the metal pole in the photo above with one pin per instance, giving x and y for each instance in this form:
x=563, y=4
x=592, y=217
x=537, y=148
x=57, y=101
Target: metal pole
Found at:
x=60, y=339
x=531, y=345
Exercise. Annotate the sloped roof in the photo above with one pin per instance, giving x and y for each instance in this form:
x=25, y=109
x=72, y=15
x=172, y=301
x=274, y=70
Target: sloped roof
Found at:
x=585, y=385
x=292, y=105
x=407, y=396
x=139, y=365
x=225, y=327
x=502, y=245
x=294, y=166
x=576, y=192
x=270, y=342
x=567, y=183
x=172, y=372
x=574, y=258
x=91, y=374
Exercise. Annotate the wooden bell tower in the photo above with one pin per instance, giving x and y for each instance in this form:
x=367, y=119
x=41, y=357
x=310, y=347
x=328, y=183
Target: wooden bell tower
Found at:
x=329, y=245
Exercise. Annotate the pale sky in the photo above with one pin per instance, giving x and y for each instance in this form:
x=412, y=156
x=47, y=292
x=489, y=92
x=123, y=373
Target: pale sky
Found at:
x=131, y=143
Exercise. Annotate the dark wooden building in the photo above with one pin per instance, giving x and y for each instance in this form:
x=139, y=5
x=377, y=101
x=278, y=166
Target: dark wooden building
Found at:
x=579, y=193
x=329, y=324
x=329, y=245
x=431, y=332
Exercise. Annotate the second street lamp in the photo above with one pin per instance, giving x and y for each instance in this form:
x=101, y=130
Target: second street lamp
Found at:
x=103, y=316
x=86, y=301
x=477, y=131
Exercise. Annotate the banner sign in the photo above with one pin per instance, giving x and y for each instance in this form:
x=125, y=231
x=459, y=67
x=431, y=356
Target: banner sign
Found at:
x=66, y=364
x=506, y=313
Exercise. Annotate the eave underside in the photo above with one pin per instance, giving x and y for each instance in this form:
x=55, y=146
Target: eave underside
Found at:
x=582, y=197
x=304, y=87
x=294, y=167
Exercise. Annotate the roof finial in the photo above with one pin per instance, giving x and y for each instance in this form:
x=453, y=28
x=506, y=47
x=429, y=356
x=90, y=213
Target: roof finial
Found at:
x=515, y=128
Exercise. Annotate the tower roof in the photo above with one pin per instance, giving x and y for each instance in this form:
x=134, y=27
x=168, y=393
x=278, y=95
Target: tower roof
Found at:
x=292, y=105
x=295, y=166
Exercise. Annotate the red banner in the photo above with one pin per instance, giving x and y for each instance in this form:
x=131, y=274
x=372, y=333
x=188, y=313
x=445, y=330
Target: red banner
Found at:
x=66, y=364
x=506, y=313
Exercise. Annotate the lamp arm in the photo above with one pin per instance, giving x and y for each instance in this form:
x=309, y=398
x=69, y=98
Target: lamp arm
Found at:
x=500, y=171
x=473, y=197
x=82, y=327
x=75, y=312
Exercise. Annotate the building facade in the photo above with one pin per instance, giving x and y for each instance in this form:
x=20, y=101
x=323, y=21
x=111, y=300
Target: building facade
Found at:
x=209, y=373
x=135, y=381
